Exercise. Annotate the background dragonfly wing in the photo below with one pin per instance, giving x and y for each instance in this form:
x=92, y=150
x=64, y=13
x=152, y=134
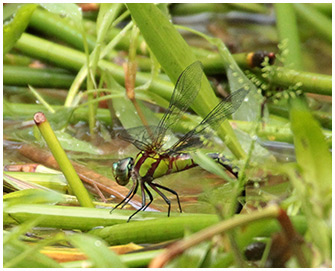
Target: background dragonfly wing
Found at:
x=186, y=90
x=196, y=136
x=138, y=136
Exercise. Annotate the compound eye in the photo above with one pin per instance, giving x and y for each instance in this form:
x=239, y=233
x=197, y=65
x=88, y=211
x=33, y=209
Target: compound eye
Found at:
x=122, y=170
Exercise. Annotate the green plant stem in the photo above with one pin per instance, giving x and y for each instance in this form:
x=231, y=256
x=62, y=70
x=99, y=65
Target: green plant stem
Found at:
x=237, y=221
x=41, y=100
x=325, y=8
x=169, y=228
x=49, y=23
x=47, y=77
x=72, y=59
x=18, y=60
x=65, y=165
x=288, y=34
x=52, y=96
x=311, y=82
x=56, y=26
x=212, y=61
x=40, y=19
x=25, y=111
x=315, y=19
x=107, y=14
x=195, y=8
x=324, y=118
x=83, y=71
x=270, y=132
x=85, y=219
x=90, y=82
x=45, y=22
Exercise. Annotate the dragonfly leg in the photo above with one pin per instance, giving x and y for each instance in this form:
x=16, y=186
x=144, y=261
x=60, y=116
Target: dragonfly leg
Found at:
x=132, y=190
x=168, y=202
x=132, y=195
x=171, y=191
x=150, y=196
x=143, y=189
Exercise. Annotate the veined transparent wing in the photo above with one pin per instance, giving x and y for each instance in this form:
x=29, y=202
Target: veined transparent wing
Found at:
x=186, y=89
x=220, y=113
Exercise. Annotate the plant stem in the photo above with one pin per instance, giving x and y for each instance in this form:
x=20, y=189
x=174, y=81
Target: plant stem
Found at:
x=56, y=26
x=324, y=118
x=288, y=34
x=70, y=174
x=240, y=220
x=18, y=60
x=325, y=8
x=321, y=23
x=195, y=8
x=311, y=82
x=47, y=77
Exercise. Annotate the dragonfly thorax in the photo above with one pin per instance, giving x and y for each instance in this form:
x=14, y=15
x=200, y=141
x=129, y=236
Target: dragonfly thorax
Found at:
x=122, y=170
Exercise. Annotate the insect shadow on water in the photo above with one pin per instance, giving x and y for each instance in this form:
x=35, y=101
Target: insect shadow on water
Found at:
x=153, y=160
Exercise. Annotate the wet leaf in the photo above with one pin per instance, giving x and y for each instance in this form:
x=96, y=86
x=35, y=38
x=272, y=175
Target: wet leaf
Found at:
x=70, y=143
x=97, y=250
x=193, y=257
x=71, y=11
x=12, y=30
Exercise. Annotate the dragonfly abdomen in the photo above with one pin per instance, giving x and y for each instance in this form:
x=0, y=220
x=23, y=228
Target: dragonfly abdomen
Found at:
x=179, y=162
x=150, y=167
x=165, y=165
x=182, y=162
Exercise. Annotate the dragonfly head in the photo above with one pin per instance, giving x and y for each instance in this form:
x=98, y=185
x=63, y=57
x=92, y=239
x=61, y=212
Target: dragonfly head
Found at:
x=122, y=170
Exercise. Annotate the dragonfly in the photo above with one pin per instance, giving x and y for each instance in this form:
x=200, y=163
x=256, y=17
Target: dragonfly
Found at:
x=155, y=159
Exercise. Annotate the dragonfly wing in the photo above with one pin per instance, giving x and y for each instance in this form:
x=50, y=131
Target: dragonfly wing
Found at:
x=186, y=90
x=142, y=137
x=152, y=138
x=196, y=136
x=138, y=136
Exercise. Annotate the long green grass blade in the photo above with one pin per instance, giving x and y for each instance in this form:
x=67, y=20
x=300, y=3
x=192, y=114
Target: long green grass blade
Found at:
x=174, y=55
x=315, y=164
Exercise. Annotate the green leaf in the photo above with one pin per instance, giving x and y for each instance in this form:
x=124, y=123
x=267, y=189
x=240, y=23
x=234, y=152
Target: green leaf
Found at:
x=9, y=11
x=13, y=250
x=315, y=165
x=97, y=250
x=209, y=164
x=313, y=155
x=33, y=196
x=193, y=257
x=12, y=30
x=71, y=11
x=20, y=180
x=124, y=108
x=71, y=143
x=220, y=196
x=107, y=14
